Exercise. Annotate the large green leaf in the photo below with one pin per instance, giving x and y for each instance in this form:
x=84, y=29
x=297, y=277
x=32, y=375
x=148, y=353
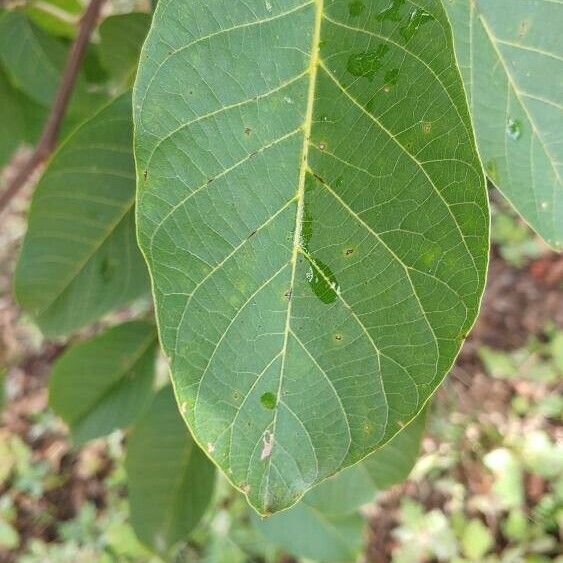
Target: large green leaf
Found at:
x=313, y=213
x=121, y=39
x=170, y=481
x=511, y=57
x=79, y=258
x=106, y=382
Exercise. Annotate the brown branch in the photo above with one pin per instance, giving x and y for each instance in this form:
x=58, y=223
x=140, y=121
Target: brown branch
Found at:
x=50, y=133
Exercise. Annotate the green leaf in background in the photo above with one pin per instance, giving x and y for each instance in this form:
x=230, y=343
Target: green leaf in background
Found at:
x=305, y=531
x=12, y=119
x=3, y=373
x=324, y=525
x=105, y=382
x=79, y=258
x=59, y=17
x=21, y=118
x=35, y=116
x=121, y=38
x=511, y=57
x=477, y=540
x=9, y=537
x=315, y=222
x=170, y=480
x=33, y=60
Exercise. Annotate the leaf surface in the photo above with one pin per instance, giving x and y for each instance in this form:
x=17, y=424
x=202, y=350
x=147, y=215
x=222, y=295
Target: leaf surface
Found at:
x=32, y=58
x=511, y=57
x=79, y=259
x=105, y=382
x=170, y=481
x=313, y=213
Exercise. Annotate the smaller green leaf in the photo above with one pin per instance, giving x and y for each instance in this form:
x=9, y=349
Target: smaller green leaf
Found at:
x=516, y=526
x=12, y=119
x=305, y=531
x=122, y=37
x=7, y=458
x=170, y=480
x=80, y=259
x=3, y=373
x=58, y=17
x=477, y=540
x=508, y=487
x=33, y=59
x=22, y=119
x=324, y=525
x=511, y=58
x=106, y=382
x=9, y=537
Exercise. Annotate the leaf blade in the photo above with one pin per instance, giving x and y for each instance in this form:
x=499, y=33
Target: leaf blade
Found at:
x=340, y=217
x=121, y=37
x=79, y=259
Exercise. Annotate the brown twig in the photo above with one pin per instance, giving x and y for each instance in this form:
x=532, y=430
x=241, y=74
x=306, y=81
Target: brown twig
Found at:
x=50, y=134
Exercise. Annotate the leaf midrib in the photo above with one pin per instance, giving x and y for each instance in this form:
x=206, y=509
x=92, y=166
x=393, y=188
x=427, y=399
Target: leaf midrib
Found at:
x=307, y=126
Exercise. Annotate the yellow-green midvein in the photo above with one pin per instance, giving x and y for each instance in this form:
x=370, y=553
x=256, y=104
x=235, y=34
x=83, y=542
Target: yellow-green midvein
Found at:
x=307, y=124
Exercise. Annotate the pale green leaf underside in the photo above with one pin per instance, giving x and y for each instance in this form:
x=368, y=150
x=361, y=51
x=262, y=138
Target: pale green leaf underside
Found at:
x=315, y=223
x=169, y=480
x=511, y=57
x=79, y=258
x=105, y=382
x=59, y=17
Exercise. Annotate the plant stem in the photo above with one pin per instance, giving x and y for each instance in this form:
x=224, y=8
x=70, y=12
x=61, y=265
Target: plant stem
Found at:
x=50, y=133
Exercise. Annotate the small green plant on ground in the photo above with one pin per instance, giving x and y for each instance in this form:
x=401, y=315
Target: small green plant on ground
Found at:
x=298, y=190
